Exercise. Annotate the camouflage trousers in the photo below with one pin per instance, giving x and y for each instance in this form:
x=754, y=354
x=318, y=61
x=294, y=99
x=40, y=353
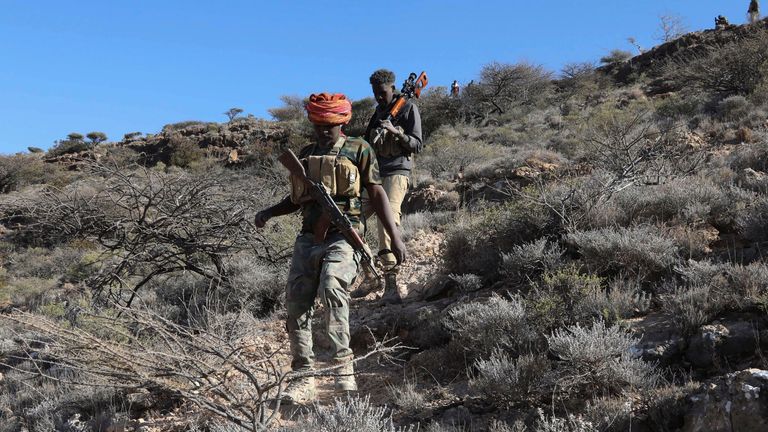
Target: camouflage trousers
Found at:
x=396, y=186
x=326, y=269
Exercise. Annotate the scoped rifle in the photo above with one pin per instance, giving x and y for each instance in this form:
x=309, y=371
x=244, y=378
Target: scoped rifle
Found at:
x=411, y=89
x=331, y=212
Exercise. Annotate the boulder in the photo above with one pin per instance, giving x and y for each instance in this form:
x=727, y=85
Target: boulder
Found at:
x=430, y=198
x=660, y=340
x=737, y=402
x=720, y=342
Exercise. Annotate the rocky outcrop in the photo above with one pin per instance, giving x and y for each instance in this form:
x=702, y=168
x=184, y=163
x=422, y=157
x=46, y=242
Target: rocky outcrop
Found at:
x=737, y=402
x=690, y=43
x=244, y=138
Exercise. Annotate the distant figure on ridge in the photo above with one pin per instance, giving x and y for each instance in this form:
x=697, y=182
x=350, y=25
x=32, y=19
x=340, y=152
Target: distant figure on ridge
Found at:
x=721, y=23
x=455, y=88
x=754, y=11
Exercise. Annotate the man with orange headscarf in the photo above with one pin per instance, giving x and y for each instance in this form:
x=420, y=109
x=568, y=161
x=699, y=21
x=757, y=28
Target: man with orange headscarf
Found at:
x=327, y=265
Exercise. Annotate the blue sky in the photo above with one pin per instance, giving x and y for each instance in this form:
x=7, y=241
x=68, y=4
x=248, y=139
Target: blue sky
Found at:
x=136, y=65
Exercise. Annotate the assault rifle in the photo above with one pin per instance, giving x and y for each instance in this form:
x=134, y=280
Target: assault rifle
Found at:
x=331, y=212
x=411, y=88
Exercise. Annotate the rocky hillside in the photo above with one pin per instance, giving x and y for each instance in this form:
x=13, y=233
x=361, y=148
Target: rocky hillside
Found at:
x=583, y=257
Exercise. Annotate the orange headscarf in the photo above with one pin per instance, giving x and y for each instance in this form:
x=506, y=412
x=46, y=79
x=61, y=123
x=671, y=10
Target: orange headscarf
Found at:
x=329, y=109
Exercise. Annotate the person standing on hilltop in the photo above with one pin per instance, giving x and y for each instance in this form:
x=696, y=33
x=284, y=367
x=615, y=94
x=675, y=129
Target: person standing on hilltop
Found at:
x=323, y=262
x=754, y=11
x=455, y=88
x=395, y=142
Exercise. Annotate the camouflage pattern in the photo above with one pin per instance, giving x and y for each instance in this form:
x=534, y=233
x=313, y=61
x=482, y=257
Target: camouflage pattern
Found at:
x=361, y=154
x=326, y=269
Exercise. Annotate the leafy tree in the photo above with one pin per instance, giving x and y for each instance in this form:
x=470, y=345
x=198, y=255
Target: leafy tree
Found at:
x=73, y=144
x=96, y=137
x=503, y=86
x=292, y=109
x=233, y=112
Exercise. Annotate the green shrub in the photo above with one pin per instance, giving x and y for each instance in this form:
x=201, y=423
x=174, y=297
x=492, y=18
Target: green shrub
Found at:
x=253, y=288
x=353, y=414
x=480, y=328
x=711, y=289
x=411, y=224
x=453, y=150
x=641, y=251
x=185, y=154
x=753, y=223
x=20, y=170
x=570, y=423
x=692, y=306
x=43, y=262
x=679, y=107
x=688, y=200
x=467, y=282
x=599, y=359
x=623, y=299
x=26, y=291
x=734, y=108
x=531, y=259
x=559, y=298
x=504, y=380
x=183, y=125
x=406, y=396
x=41, y=405
x=474, y=244
x=754, y=156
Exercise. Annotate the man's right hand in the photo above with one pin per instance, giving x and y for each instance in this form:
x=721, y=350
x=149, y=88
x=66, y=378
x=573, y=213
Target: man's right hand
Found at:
x=398, y=250
x=261, y=218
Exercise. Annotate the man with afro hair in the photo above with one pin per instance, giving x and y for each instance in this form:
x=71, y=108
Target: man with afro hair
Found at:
x=394, y=142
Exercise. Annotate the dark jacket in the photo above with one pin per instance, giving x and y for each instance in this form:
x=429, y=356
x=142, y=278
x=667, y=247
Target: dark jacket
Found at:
x=410, y=120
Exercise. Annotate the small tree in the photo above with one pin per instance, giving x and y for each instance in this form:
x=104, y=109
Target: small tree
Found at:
x=131, y=136
x=96, y=137
x=74, y=136
x=292, y=109
x=233, y=112
x=670, y=28
x=503, y=86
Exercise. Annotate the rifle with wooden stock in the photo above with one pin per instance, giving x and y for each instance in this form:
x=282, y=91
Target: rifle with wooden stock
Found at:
x=332, y=214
